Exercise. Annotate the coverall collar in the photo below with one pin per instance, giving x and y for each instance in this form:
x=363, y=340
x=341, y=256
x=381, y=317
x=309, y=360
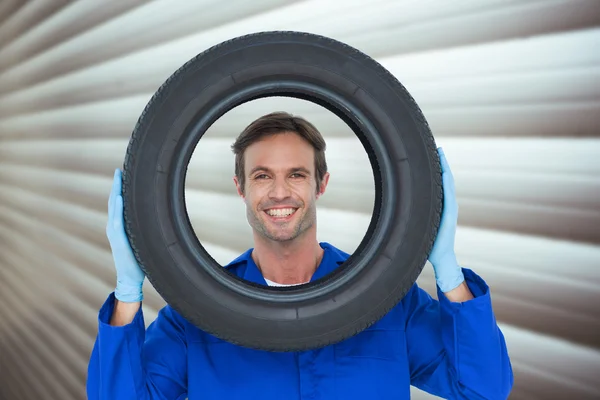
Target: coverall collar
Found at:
x=332, y=258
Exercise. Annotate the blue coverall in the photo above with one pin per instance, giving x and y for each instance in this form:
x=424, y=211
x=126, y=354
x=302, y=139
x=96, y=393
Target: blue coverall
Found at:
x=453, y=350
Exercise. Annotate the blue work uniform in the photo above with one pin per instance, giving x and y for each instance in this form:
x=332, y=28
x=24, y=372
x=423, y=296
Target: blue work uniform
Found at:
x=453, y=350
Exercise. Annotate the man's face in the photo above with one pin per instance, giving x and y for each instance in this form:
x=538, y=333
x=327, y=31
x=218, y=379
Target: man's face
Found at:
x=281, y=187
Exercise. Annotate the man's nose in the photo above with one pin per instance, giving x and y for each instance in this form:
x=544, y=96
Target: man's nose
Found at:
x=280, y=189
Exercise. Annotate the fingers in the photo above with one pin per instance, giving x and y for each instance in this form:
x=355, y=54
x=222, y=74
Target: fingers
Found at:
x=446, y=172
x=117, y=182
x=448, y=188
x=118, y=213
x=447, y=182
x=443, y=161
x=114, y=192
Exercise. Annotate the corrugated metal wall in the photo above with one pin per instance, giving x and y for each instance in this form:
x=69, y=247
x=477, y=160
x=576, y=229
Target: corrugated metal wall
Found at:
x=511, y=90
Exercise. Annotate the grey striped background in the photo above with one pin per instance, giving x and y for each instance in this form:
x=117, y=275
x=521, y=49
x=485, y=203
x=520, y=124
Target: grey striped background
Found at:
x=511, y=89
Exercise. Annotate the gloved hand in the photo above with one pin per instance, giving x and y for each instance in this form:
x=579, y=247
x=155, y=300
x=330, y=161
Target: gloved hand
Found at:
x=448, y=273
x=130, y=277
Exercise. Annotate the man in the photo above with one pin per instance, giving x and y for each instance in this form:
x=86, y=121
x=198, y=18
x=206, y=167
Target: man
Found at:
x=451, y=347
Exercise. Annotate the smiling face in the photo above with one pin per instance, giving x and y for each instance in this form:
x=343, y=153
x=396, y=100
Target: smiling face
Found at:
x=281, y=187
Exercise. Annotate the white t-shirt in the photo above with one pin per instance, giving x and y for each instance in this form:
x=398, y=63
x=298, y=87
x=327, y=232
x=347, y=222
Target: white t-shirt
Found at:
x=271, y=283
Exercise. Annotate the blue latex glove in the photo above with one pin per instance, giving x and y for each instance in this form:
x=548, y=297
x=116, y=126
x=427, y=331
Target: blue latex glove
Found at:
x=130, y=277
x=448, y=273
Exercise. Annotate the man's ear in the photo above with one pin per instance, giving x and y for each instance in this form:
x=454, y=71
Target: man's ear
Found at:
x=238, y=186
x=323, y=185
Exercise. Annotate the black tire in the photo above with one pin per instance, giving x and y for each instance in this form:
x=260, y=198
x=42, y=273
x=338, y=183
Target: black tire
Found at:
x=407, y=176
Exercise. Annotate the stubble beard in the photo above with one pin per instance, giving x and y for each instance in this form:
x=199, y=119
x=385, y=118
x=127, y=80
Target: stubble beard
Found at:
x=303, y=224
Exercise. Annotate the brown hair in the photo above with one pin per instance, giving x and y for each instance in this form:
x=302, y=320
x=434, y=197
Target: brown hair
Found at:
x=273, y=124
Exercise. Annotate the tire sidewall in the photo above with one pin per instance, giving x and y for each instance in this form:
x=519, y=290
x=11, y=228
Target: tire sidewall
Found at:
x=409, y=191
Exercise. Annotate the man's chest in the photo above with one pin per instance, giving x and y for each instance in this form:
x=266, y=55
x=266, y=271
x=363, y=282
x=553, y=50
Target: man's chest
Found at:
x=372, y=364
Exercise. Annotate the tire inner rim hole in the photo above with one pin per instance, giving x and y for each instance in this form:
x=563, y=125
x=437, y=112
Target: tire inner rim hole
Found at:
x=222, y=219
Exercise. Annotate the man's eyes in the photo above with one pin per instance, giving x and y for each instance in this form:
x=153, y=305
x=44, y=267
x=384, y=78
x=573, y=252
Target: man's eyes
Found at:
x=294, y=175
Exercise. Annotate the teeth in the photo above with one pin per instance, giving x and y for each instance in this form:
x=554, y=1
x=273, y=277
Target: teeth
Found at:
x=280, y=212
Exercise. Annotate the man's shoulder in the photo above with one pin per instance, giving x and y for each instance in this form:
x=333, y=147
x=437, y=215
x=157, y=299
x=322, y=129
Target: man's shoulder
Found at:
x=238, y=265
x=338, y=253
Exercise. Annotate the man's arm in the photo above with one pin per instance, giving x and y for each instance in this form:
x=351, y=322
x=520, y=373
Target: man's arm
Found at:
x=124, y=313
x=128, y=362
x=459, y=294
x=455, y=348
